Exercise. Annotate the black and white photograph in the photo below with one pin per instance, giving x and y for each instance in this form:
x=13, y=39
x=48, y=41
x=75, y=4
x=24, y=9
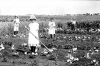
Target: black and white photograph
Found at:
x=49, y=33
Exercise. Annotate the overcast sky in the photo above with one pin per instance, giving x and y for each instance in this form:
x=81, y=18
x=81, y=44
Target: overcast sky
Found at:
x=48, y=7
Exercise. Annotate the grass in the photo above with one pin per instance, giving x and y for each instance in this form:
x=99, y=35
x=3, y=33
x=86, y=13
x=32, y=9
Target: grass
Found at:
x=30, y=62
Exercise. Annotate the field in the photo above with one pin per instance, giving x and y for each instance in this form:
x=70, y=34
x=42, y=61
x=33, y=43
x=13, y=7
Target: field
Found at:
x=86, y=54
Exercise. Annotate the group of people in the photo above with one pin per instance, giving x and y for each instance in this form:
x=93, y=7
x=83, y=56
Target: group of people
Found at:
x=33, y=38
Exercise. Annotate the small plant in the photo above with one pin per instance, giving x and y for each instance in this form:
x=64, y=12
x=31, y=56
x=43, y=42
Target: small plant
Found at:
x=4, y=59
x=34, y=63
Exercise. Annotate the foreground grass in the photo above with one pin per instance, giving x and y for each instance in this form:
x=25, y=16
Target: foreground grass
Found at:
x=24, y=60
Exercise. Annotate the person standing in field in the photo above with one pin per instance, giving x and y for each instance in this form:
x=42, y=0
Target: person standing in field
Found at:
x=16, y=25
x=33, y=39
x=73, y=24
x=52, y=28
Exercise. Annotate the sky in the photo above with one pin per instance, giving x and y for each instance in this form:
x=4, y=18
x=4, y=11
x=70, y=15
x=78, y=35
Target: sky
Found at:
x=48, y=7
